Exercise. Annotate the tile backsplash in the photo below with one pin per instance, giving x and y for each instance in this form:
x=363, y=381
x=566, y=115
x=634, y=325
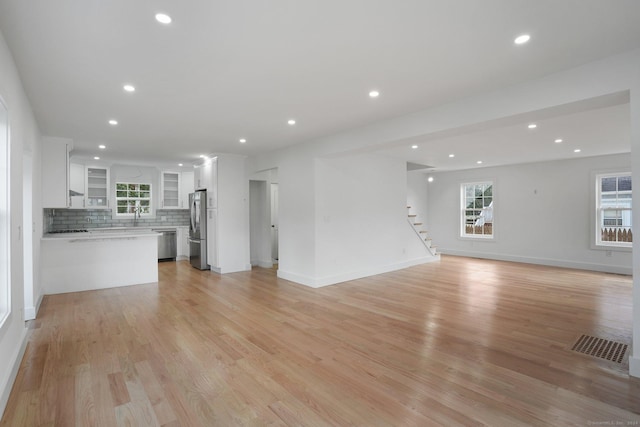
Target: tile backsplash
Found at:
x=71, y=219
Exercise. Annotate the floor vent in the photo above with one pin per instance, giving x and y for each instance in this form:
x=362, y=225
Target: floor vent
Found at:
x=601, y=348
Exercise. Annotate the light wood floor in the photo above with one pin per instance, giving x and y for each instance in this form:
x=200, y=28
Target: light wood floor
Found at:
x=460, y=342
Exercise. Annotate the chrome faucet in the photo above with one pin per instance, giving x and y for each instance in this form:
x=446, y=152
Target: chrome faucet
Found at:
x=136, y=216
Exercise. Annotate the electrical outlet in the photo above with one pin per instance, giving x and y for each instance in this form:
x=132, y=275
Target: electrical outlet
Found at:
x=609, y=253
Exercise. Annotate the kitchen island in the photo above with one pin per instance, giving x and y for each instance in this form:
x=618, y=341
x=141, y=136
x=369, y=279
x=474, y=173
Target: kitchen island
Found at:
x=98, y=259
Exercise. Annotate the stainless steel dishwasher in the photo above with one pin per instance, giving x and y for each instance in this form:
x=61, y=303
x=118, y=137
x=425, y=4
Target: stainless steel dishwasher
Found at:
x=167, y=245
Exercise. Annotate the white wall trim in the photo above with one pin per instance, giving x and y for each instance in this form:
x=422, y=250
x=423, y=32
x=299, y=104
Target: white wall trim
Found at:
x=7, y=384
x=262, y=263
x=634, y=366
x=542, y=261
x=339, y=278
x=31, y=313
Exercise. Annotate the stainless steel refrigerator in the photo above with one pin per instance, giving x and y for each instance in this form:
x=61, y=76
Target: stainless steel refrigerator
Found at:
x=198, y=230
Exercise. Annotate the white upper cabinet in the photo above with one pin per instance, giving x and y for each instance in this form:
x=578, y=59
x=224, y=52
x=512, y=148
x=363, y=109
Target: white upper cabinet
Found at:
x=96, y=187
x=55, y=172
x=170, y=190
x=77, y=183
x=186, y=187
x=206, y=178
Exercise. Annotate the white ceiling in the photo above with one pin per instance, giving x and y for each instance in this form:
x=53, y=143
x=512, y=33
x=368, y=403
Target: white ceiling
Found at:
x=223, y=70
x=594, y=131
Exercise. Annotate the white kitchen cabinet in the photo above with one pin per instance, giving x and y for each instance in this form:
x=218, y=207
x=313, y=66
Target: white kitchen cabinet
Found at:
x=55, y=172
x=206, y=178
x=227, y=216
x=97, y=187
x=170, y=190
x=212, y=240
x=186, y=187
x=77, y=185
x=182, y=237
x=197, y=177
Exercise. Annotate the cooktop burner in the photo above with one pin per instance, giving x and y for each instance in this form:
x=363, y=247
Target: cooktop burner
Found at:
x=68, y=231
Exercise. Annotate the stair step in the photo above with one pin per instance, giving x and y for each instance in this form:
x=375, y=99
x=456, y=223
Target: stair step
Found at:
x=423, y=231
x=417, y=223
x=408, y=207
x=412, y=216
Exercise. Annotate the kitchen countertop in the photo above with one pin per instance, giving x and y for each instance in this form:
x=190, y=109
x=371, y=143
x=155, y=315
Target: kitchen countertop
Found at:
x=105, y=233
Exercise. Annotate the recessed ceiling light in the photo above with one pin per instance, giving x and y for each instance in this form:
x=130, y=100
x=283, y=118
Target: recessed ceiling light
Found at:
x=577, y=150
x=129, y=88
x=163, y=18
x=414, y=146
x=452, y=155
x=96, y=158
x=102, y=146
x=291, y=122
x=242, y=140
x=522, y=39
x=180, y=164
x=479, y=162
x=374, y=94
x=430, y=179
x=113, y=122
x=532, y=126
x=558, y=141
x=202, y=156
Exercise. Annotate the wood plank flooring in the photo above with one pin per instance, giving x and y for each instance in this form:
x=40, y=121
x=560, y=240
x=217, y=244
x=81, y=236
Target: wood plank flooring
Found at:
x=461, y=342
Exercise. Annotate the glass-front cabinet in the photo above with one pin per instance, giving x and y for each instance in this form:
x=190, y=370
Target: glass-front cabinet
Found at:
x=170, y=190
x=97, y=187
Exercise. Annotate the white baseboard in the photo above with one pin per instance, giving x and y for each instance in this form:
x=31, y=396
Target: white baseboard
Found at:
x=263, y=264
x=31, y=313
x=16, y=358
x=634, y=366
x=236, y=269
x=318, y=282
x=604, y=268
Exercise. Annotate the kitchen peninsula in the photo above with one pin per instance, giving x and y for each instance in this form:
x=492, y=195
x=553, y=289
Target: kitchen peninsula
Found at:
x=98, y=259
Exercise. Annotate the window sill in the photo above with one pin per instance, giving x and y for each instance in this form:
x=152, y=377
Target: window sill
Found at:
x=478, y=238
x=614, y=248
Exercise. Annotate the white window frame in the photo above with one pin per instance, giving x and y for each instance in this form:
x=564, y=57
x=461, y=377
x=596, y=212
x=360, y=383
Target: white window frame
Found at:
x=5, y=215
x=134, y=199
x=599, y=212
x=463, y=232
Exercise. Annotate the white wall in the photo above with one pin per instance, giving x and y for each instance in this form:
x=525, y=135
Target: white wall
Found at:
x=233, y=215
x=543, y=212
x=23, y=132
x=362, y=227
x=417, y=190
x=296, y=219
x=259, y=223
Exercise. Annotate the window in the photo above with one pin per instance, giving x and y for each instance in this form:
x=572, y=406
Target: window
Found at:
x=613, y=210
x=133, y=199
x=5, y=290
x=477, y=210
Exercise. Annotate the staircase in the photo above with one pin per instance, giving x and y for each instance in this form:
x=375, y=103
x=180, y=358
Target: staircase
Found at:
x=422, y=234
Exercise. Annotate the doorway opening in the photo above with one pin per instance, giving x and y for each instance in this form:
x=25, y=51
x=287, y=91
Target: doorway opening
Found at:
x=263, y=218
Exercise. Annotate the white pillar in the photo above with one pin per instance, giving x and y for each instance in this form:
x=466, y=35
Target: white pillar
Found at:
x=634, y=359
